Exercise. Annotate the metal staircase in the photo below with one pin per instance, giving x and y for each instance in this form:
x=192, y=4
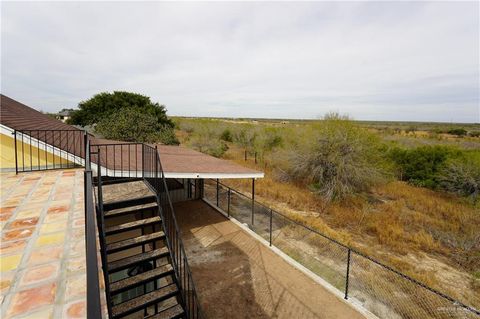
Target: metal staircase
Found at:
x=145, y=269
x=141, y=277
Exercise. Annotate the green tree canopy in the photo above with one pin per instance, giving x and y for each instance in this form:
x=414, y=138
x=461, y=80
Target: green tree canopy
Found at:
x=131, y=124
x=104, y=104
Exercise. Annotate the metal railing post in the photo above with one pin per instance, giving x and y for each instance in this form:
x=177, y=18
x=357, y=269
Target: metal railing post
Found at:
x=228, y=202
x=157, y=180
x=85, y=139
x=16, y=158
x=99, y=182
x=217, y=191
x=143, y=161
x=348, y=273
x=271, y=217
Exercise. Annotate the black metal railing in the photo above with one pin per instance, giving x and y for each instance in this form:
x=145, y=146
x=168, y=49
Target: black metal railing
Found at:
x=383, y=290
x=39, y=150
x=119, y=160
x=155, y=177
x=93, y=284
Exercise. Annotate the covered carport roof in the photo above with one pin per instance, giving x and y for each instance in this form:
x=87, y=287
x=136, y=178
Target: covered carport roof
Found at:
x=120, y=158
x=180, y=162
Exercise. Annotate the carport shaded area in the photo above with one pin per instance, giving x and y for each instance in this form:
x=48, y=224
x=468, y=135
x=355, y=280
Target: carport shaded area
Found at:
x=236, y=276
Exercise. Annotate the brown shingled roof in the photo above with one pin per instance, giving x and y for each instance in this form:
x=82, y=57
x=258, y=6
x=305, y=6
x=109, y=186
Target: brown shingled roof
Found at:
x=180, y=160
x=18, y=116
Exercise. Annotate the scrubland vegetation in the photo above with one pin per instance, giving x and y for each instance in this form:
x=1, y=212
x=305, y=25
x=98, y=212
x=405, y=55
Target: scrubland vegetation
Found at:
x=406, y=195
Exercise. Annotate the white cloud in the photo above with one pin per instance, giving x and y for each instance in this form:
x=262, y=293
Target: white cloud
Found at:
x=393, y=61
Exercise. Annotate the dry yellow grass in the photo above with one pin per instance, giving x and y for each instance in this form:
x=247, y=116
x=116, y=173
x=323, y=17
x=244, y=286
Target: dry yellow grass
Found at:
x=399, y=224
x=431, y=236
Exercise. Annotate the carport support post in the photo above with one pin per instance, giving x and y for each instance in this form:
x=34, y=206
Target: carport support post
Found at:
x=217, y=191
x=228, y=203
x=201, y=188
x=253, y=199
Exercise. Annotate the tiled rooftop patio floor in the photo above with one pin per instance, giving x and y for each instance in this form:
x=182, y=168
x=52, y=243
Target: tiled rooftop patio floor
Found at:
x=42, y=258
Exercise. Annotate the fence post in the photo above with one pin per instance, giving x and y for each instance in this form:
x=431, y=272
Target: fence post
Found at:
x=217, y=191
x=16, y=159
x=253, y=200
x=245, y=155
x=255, y=157
x=228, y=202
x=271, y=216
x=348, y=273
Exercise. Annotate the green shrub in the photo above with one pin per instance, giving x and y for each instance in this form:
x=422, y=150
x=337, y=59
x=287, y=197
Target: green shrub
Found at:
x=226, y=135
x=337, y=159
x=474, y=134
x=411, y=129
x=461, y=175
x=457, y=132
x=420, y=166
x=205, y=139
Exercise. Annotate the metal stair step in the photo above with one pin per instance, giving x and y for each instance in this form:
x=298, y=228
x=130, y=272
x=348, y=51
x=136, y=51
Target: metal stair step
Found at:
x=130, y=210
x=131, y=261
x=138, y=303
x=127, y=283
x=113, y=181
x=129, y=202
x=132, y=225
x=132, y=242
x=170, y=313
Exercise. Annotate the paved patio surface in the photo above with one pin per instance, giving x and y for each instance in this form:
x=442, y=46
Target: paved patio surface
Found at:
x=238, y=277
x=42, y=256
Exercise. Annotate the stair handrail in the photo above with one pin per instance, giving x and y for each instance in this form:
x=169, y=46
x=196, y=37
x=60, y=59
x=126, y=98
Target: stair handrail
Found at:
x=94, y=309
x=174, y=241
x=101, y=231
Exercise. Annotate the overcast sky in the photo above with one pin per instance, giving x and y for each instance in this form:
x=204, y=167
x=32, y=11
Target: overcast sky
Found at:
x=375, y=61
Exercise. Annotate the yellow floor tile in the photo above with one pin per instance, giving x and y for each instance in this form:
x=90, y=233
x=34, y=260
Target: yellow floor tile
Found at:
x=9, y=262
x=55, y=218
x=50, y=239
x=29, y=213
x=53, y=227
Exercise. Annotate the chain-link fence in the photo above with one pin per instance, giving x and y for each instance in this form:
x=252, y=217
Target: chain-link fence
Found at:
x=381, y=290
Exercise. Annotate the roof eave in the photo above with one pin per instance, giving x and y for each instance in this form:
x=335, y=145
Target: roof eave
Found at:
x=213, y=175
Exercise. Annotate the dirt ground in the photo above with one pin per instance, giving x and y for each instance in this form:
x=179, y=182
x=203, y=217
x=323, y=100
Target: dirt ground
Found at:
x=238, y=277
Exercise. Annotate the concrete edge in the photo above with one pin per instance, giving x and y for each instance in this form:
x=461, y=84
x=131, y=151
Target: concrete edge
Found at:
x=352, y=302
